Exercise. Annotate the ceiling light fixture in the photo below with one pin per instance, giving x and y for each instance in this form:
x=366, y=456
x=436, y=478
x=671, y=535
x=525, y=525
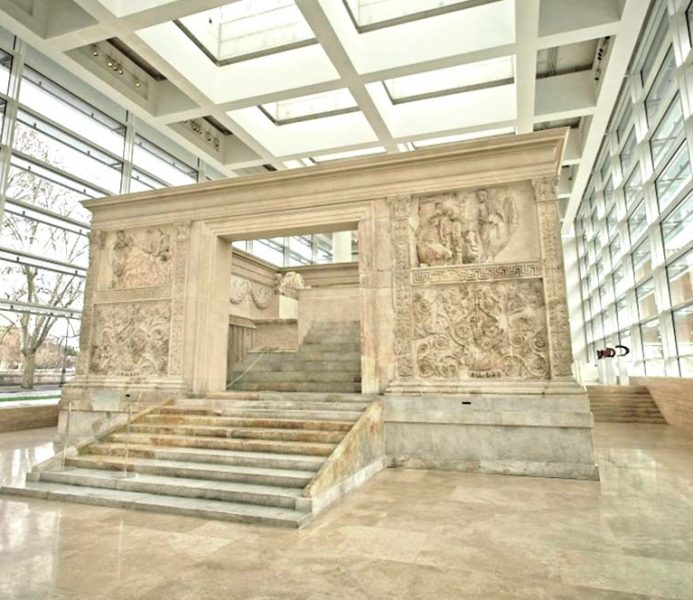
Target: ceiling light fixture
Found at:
x=94, y=50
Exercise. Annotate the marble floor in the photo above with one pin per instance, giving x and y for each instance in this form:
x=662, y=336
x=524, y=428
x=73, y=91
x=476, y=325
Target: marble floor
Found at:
x=403, y=535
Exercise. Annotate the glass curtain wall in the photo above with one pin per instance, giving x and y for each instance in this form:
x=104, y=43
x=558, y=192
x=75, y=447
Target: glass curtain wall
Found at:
x=57, y=149
x=634, y=226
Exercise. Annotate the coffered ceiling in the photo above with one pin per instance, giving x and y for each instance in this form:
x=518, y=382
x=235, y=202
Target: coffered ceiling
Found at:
x=291, y=83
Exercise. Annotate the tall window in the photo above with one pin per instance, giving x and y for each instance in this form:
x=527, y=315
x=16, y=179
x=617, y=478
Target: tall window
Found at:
x=649, y=223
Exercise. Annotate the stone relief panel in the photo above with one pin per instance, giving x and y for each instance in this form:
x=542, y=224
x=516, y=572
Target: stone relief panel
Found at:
x=554, y=276
x=481, y=330
x=402, y=289
x=289, y=284
x=131, y=339
x=477, y=226
x=244, y=292
x=138, y=258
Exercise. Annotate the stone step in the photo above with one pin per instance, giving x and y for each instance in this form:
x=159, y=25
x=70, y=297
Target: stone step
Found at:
x=328, y=337
x=206, y=509
x=279, y=386
x=298, y=364
x=310, y=347
x=297, y=405
x=297, y=376
x=195, y=470
x=227, y=491
x=334, y=325
x=312, y=356
x=246, y=445
x=268, y=413
x=239, y=458
x=624, y=419
x=233, y=422
x=309, y=396
x=289, y=435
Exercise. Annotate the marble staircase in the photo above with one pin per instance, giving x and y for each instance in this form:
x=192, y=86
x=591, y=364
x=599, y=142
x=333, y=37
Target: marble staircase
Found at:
x=623, y=404
x=328, y=360
x=237, y=456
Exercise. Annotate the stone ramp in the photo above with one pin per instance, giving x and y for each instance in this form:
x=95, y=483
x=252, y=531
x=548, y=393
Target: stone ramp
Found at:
x=328, y=360
x=623, y=404
x=233, y=456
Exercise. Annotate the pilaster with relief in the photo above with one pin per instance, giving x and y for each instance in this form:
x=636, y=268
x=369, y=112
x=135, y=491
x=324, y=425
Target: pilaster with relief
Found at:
x=402, y=292
x=96, y=245
x=560, y=351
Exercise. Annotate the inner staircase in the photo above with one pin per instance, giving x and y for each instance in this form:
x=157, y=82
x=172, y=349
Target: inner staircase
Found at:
x=237, y=456
x=328, y=360
x=623, y=404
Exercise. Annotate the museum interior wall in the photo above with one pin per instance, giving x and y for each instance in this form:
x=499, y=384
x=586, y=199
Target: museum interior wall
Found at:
x=460, y=286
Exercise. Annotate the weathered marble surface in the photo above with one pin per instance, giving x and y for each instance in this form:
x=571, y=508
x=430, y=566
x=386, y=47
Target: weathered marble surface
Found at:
x=363, y=446
x=404, y=534
x=16, y=416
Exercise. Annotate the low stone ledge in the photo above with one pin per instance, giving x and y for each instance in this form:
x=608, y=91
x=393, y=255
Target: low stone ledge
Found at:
x=17, y=416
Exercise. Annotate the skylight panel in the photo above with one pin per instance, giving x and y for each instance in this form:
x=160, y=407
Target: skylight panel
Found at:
x=461, y=78
x=247, y=29
x=349, y=154
x=371, y=14
x=315, y=106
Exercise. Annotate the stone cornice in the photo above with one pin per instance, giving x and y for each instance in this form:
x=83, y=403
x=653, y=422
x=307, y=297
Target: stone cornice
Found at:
x=467, y=164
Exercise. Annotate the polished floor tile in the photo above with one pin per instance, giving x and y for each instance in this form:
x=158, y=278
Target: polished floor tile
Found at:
x=405, y=534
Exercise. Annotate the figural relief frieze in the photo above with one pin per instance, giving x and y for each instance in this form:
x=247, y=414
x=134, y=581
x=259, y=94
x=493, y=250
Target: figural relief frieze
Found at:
x=243, y=290
x=465, y=227
x=481, y=330
x=140, y=258
x=130, y=339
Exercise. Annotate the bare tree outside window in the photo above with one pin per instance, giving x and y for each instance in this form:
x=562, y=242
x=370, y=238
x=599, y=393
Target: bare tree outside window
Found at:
x=29, y=284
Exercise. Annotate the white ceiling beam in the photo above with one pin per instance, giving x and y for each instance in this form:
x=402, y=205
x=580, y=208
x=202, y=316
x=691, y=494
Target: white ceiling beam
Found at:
x=622, y=47
x=564, y=16
x=526, y=33
x=324, y=32
x=564, y=96
x=573, y=147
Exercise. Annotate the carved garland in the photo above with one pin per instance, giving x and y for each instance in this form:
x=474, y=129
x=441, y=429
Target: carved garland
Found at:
x=554, y=276
x=242, y=291
x=403, y=337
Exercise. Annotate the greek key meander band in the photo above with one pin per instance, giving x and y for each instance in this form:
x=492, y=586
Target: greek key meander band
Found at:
x=464, y=273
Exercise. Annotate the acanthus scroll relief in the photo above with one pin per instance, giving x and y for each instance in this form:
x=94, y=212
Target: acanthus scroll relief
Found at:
x=481, y=330
x=140, y=258
x=131, y=339
x=465, y=227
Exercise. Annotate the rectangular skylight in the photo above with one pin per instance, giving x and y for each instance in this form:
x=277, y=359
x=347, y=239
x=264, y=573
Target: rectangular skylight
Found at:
x=310, y=107
x=247, y=28
x=121, y=8
x=373, y=13
x=461, y=137
x=349, y=154
x=485, y=73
